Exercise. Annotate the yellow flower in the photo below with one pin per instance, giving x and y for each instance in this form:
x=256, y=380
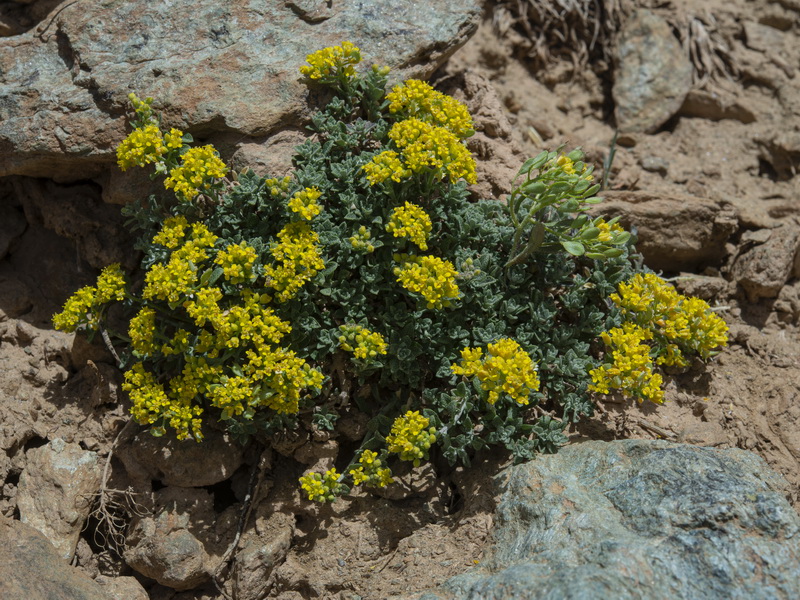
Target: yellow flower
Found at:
x=332, y=62
x=237, y=262
x=304, y=203
x=426, y=147
x=298, y=258
x=322, y=488
x=628, y=367
x=143, y=146
x=412, y=222
x=199, y=169
x=141, y=330
x=431, y=277
x=411, y=438
x=386, y=165
x=507, y=369
x=415, y=98
x=365, y=345
x=370, y=472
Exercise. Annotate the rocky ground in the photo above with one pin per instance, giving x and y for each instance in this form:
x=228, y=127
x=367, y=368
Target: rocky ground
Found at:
x=711, y=185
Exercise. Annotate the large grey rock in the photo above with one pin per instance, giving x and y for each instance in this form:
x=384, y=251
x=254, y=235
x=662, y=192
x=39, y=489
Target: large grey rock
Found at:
x=652, y=74
x=56, y=491
x=675, y=232
x=31, y=569
x=213, y=67
x=640, y=519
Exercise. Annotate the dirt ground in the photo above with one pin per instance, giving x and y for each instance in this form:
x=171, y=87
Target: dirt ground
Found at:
x=738, y=149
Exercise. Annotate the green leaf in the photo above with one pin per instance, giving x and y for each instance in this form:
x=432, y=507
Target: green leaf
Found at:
x=573, y=247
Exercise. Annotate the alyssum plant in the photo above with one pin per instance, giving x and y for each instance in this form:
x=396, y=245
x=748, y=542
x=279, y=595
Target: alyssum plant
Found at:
x=367, y=280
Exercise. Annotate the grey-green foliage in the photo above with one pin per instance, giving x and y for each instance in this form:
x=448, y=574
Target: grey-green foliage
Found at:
x=552, y=299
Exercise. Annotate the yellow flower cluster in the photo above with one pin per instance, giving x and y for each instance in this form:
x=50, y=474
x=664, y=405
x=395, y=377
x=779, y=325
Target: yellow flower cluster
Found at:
x=198, y=170
x=80, y=307
x=237, y=262
x=386, y=165
x=412, y=222
x=607, y=232
x=278, y=377
x=143, y=146
x=172, y=232
x=431, y=277
x=410, y=437
x=151, y=404
x=142, y=331
x=322, y=488
x=566, y=164
x=688, y=324
x=631, y=368
x=178, y=277
x=360, y=241
x=298, y=258
x=425, y=147
x=332, y=62
x=417, y=99
x=304, y=203
x=365, y=345
x=507, y=369
x=370, y=472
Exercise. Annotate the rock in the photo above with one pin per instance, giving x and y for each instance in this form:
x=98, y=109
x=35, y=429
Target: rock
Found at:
x=166, y=547
x=122, y=588
x=715, y=106
x=640, y=519
x=652, y=73
x=702, y=286
x=497, y=154
x=213, y=68
x=675, y=232
x=56, y=491
x=781, y=149
x=31, y=569
x=180, y=463
x=261, y=550
x=763, y=38
x=764, y=269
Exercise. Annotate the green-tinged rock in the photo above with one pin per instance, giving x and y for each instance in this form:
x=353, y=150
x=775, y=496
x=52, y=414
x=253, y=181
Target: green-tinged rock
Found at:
x=641, y=520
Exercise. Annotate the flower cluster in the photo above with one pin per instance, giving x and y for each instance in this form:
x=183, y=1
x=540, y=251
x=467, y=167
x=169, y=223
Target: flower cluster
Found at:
x=304, y=203
x=332, y=62
x=609, y=232
x=142, y=331
x=144, y=145
x=431, y=277
x=176, y=278
x=322, y=488
x=411, y=438
x=237, y=262
x=365, y=345
x=425, y=147
x=630, y=368
x=361, y=241
x=83, y=306
x=412, y=222
x=386, y=165
x=506, y=369
x=415, y=98
x=680, y=325
x=199, y=169
x=151, y=404
x=370, y=471
x=298, y=258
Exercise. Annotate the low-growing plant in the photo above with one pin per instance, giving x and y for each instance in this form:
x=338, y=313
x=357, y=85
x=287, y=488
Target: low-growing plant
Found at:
x=369, y=280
